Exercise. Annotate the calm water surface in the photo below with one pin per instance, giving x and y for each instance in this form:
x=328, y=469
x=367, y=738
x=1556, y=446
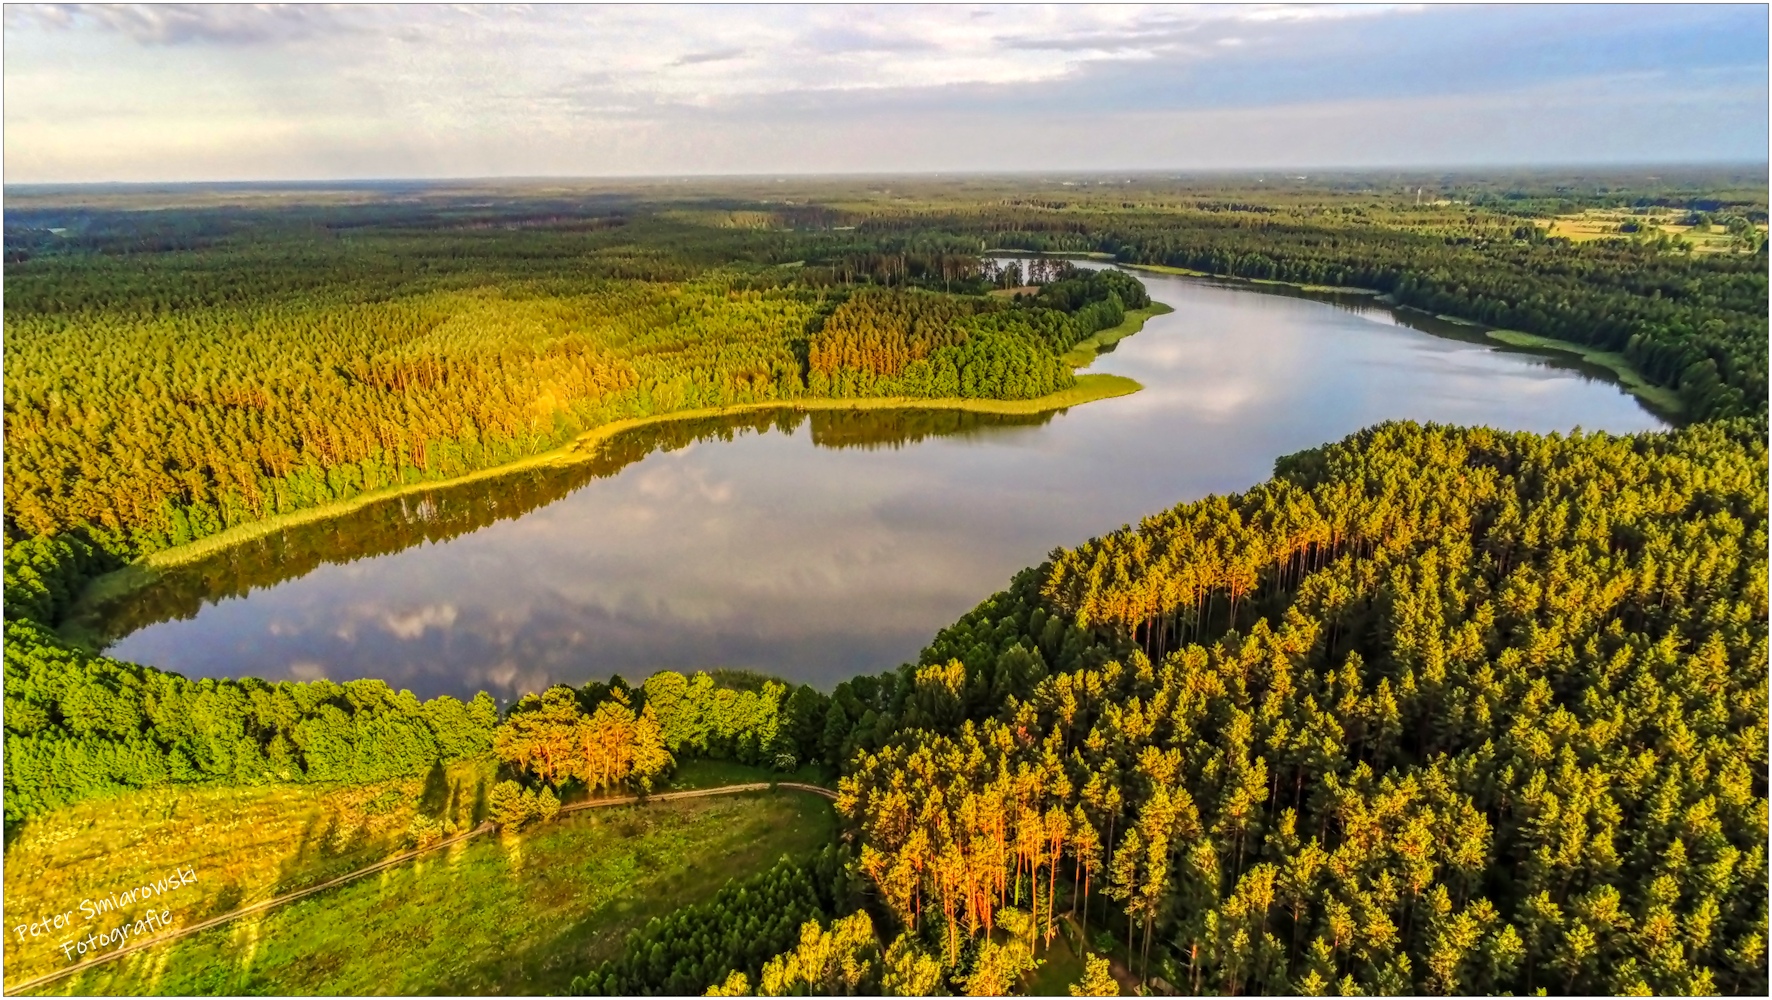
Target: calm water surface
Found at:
x=819, y=546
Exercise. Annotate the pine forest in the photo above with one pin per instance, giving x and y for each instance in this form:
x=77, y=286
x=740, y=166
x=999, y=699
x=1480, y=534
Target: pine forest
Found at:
x=1432, y=709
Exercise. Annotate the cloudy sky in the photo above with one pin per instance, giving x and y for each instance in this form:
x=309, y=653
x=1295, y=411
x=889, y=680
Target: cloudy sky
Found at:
x=268, y=92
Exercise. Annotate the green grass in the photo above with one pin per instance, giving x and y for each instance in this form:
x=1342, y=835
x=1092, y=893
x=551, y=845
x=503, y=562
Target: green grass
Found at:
x=1060, y=966
x=498, y=914
x=1166, y=269
x=1660, y=398
x=246, y=844
x=714, y=773
x=1083, y=354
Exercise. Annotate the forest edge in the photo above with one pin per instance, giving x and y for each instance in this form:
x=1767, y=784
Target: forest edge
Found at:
x=145, y=571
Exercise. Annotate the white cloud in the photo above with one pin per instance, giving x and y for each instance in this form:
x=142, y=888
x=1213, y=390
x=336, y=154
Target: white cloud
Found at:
x=412, y=624
x=308, y=670
x=178, y=23
x=269, y=91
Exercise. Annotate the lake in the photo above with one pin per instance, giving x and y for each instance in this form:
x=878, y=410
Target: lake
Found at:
x=816, y=546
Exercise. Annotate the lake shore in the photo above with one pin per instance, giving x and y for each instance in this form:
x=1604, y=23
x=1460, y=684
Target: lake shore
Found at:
x=143, y=572
x=1189, y=273
x=1661, y=400
x=1083, y=354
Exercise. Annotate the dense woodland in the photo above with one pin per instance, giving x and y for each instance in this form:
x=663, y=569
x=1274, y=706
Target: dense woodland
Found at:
x=746, y=924
x=413, y=341
x=217, y=401
x=1434, y=710
x=1692, y=323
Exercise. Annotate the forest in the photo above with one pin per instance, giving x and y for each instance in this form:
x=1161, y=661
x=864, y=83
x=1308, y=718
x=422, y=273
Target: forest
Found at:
x=743, y=926
x=1432, y=710
x=181, y=427
x=400, y=343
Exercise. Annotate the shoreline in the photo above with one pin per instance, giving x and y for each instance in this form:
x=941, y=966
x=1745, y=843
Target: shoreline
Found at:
x=1083, y=354
x=1658, y=399
x=1189, y=273
x=1090, y=387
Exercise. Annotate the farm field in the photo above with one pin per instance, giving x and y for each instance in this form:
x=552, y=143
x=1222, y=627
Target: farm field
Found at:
x=1701, y=237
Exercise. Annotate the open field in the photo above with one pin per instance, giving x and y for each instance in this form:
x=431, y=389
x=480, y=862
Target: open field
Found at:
x=245, y=844
x=1602, y=224
x=511, y=913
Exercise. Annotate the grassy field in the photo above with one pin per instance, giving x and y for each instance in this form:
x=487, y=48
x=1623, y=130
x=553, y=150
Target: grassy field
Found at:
x=245, y=844
x=1166, y=269
x=512, y=913
x=1600, y=224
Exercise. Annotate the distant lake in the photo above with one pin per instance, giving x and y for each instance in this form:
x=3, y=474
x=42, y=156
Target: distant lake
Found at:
x=816, y=546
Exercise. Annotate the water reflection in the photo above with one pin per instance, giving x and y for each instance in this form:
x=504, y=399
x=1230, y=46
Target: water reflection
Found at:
x=447, y=512
x=818, y=545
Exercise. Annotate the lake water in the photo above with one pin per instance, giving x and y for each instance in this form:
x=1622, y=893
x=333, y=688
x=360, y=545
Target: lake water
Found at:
x=818, y=546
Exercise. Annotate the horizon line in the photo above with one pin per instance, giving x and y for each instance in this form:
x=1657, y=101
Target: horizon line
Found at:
x=1284, y=172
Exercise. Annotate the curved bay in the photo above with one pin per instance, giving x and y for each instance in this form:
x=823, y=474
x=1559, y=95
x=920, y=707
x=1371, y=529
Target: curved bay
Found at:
x=817, y=545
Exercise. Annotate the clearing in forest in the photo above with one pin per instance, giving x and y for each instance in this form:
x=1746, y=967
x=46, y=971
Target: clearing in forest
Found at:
x=501, y=913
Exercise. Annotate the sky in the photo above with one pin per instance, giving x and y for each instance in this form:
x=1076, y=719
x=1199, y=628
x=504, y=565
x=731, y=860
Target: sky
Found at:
x=267, y=92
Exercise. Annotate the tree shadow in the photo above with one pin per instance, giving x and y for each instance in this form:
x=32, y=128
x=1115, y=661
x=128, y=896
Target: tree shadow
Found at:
x=229, y=898
x=435, y=797
x=478, y=816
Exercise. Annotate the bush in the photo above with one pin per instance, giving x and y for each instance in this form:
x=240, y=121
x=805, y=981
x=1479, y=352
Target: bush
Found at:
x=512, y=806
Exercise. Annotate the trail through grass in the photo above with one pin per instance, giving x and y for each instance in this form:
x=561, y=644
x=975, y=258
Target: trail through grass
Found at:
x=514, y=913
x=244, y=844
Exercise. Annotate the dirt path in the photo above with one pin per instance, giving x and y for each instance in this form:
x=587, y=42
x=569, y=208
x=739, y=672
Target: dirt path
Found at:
x=399, y=859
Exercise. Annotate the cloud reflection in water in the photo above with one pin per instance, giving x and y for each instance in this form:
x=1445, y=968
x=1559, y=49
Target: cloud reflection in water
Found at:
x=819, y=546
